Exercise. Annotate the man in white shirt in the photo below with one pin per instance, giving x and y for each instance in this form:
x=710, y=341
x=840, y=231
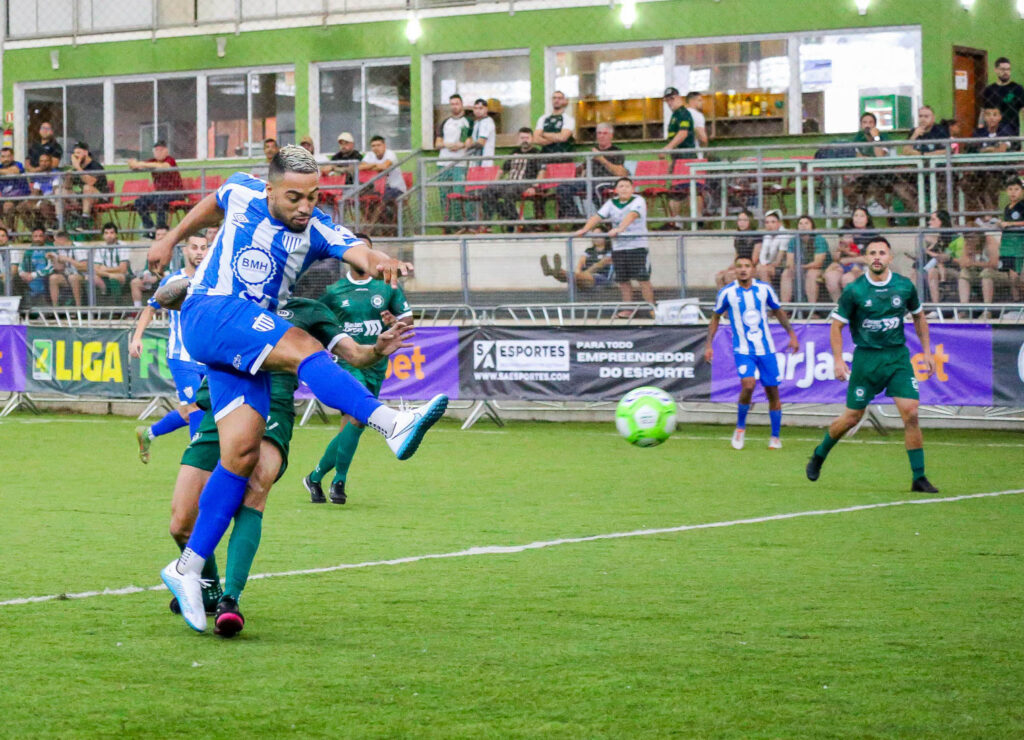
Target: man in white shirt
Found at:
x=555, y=130
x=695, y=104
x=450, y=143
x=481, y=138
x=775, y=255
x=379, y=159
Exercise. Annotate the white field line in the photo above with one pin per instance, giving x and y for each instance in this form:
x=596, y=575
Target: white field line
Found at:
x=511, y=549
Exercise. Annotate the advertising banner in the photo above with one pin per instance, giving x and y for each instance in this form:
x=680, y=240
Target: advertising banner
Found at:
x=149, y=374
x=587, y=364
x=963, y=366
x=12, y=358
x=429, y=367
x=77, y=361
x=1008, y=365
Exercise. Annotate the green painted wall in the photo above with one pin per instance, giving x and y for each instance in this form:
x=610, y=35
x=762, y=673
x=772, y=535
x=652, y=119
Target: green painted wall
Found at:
x=993, y=25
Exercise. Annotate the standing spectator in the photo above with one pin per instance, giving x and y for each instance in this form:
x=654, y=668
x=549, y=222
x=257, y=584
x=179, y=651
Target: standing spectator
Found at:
x=682, y=144
x=775, y=255
x=604, y=165
x=482, y=136
x=814, y=260
x=555, y=132
x=43, y=184
x=744, y=245
x=1011, y=244
x=504, y=197
x=87, y=178
x=1006, y=95
x=981, y=188
x=145, y=281
x=166, y=179
x=924, y=140
x=47, y=144
x=347, y=152
x=451, y=145
x=11, y=186
x=379, y=159
x=695, y=105
x=630, y=256
x=37, y=264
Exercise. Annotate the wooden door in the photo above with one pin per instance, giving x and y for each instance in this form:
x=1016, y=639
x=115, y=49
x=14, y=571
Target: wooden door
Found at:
x=969, y=74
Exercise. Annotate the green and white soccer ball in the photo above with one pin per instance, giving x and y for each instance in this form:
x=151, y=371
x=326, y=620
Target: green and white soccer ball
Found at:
x=646, y=416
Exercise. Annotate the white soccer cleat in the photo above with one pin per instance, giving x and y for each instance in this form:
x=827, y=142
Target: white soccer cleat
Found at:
x=737, y=439
x=410, y=426
x=188, y=590
x=774, y=443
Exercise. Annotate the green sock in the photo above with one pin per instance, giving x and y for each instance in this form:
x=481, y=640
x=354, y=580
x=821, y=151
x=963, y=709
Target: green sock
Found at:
x=326, y=463
x=209, y=567
x=245, y=540
x=348, y=440
x=826, y=446
x=916, y=462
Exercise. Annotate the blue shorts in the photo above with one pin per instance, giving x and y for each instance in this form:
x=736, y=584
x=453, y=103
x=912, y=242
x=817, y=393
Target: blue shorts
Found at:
x=765, y=365
x=232, y=337
x=188, y=376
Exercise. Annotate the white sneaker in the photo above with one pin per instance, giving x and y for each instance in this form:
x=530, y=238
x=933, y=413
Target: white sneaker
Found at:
x=737, y=439
x=774, y=443
x=188, y=590
x=410, y=426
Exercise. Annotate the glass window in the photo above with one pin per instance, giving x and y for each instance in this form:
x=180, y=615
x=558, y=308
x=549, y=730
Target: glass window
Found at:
x=838, y=71
x=226, y=113
x=133, y=120
x=229, y=98
x=388, y=108
x=176, y=109
x=273, y=108
x=341, y=106
x=503, y=81
x=84, y=118
x=382, y=108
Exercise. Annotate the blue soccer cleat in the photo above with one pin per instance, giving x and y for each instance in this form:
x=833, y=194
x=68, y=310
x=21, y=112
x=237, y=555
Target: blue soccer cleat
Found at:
x=410, y=426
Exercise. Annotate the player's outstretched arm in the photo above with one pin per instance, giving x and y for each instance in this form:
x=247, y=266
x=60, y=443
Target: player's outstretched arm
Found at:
x=204, y=214
x=842, y=370
x=364, y=355
x=921, y=329
x=377, y=264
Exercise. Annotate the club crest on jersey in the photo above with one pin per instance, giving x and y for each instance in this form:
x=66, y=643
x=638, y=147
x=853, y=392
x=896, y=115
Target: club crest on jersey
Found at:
x=263, y=322
x=285, y=314
x=377, y=301
x=291, y=242
x=253, y=266
x=897, y=301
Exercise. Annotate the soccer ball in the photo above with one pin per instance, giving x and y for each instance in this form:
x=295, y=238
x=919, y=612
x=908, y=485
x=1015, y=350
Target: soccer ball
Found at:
x=646, y=416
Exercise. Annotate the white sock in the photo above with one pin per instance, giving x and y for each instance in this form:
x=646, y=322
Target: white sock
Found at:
x=190, y=562
x=136, y=304
x=149, y=433
x=383, y=420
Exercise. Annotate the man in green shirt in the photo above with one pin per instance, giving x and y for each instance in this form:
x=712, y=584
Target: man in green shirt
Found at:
x=364, y=307
x=874, y=305
x=859, y=190
x=682, y=144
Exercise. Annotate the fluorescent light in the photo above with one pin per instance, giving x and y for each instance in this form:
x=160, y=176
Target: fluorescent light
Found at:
x=1020, y=7
x=628, y=13
x=967, y=4
x=862, y=6
x=413, y=29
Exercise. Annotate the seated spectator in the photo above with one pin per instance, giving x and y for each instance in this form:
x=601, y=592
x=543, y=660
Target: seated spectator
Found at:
x=927, y=137
x=48, y=145
x=44, y=184
x=87, y=178
x=146, y=280
x=774, y=256
x=862, y=189
x=604, y=165
x=36, y=264
x=743, y=246
x=68, y=269
x=347, y=153
x=110, y=263
x=847, y=263
x=379, y=159
x=814, y=258
x=979, y=265
x=523, y=166
x=937, y=260
x=166, y=179
x=981, y=188
x=594, y=269
x=13, y=185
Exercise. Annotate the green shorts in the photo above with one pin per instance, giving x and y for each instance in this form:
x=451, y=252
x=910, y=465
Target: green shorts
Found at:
x=371, y=381
x=875, y=370
x=203, y=452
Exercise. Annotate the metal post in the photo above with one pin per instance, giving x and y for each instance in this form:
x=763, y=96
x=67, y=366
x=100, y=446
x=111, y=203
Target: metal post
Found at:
x=464, y=247
x=798, y=267
x=922, y=277
x=570, y=270
x=423, y=195
x=588, y=164
x=5, y=262
x=90, y=276
x=760, y=183
x=949, y=179
x=681, y=249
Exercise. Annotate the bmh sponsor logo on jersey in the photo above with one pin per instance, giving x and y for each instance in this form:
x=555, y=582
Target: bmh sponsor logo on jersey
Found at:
x=254, y=267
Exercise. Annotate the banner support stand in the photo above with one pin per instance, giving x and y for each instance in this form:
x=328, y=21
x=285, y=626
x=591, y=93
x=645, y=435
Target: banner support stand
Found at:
x=871, y=417
x=155, y=403
x=313, y=405
x=482, y=408
x=16, y=401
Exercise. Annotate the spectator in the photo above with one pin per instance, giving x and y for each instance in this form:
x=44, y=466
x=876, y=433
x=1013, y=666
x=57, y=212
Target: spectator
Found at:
x=68, y=269
x=980, y=187
x=936, y=255
x=522, y=166
x=482, y=136
x=682, y=144
x=979, y=264
x=927, y=136
x=36, y=264
x=1006, y=95
x=110, y=263
x=594, y=269
x=43, y=184
x=11, y=186
x=306, y=142
x=87, y=179
x=347, y=152
x=47, y=144
x=270, y=149
x=6, y=262
x=166, y=179
x=604, y=165
x=743, y=246
x=146, y=280
x=1011, y=244
x=814, y=260
x=630, y=257
x=846, y=266
x=450, y=143
x=555, y=132
x=379, y=159
x=774, y=256
x=695, y=105
x=862, y=189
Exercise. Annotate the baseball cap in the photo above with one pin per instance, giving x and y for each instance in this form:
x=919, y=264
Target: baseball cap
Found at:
x=669, y=92
x=346, y=136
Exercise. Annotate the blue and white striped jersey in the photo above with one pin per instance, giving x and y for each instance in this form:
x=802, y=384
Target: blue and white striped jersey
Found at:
x=175, y=347
x=748, y=314
x=257, y=258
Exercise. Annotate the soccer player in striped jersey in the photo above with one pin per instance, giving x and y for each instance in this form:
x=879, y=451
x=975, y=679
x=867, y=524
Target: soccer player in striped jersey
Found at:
x=748, y=302
x=187, y=373
x=272, y=231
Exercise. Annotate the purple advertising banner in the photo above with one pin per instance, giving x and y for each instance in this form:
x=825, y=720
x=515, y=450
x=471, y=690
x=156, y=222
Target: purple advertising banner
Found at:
x=963, y=359
x=12, y=358
x=429, y=367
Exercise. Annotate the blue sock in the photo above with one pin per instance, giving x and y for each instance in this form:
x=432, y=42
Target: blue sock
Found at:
x=194, y=420
x=168, y=424
x=336, y=387
x=221, y=497
x=741, y=415
x=775, y=417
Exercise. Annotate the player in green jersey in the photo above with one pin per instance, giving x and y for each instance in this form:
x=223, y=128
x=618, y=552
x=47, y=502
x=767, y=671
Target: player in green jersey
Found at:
x=201, y=456
x=874, y=305
x=360, y=303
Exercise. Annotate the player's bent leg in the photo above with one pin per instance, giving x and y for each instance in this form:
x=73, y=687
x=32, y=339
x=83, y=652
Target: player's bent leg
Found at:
x=914, y=441
x=185, y=501
x=840, y=426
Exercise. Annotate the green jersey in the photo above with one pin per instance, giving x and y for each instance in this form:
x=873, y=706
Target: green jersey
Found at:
x=875, y=311
x=681, y=120
x=868, y=151
x=357, y=305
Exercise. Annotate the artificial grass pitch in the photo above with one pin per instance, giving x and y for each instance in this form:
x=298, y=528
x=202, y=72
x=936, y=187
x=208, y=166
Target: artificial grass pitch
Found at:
x=901, y=621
